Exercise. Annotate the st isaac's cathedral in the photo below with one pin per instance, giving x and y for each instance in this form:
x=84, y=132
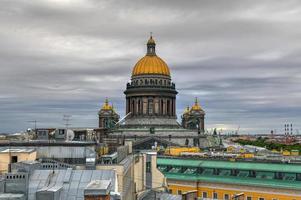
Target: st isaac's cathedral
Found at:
x=151, y=109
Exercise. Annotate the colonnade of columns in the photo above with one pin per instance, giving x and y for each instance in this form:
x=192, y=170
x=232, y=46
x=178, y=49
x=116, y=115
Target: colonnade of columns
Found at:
x=148, y=106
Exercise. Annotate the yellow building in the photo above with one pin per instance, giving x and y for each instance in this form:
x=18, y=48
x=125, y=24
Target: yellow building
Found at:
x=295, y=152
x=176, y=151
x=286, y=153
x=224, y=180
x=13, y=155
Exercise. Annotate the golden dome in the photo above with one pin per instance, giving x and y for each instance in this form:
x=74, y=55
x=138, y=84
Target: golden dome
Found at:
x=106, y=105
x=196, y=106
x=151, y=63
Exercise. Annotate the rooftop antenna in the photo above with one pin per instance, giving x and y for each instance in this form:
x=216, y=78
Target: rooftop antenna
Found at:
x=35, y=125
x=67, y=119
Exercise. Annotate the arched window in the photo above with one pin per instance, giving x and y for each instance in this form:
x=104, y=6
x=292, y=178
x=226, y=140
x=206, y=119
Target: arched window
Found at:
x=161, y=110
x=168, y=107
x=139, y=107
x=133, y=107
x=150, y=106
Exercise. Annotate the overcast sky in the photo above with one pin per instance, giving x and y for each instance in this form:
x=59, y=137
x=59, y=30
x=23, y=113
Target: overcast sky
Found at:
x=240, y=58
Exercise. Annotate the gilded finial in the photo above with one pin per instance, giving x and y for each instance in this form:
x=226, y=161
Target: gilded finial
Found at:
x=196, y=102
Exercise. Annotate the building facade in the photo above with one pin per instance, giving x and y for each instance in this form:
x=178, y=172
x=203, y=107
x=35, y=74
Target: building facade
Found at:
x=151, y=115
x=226, y=179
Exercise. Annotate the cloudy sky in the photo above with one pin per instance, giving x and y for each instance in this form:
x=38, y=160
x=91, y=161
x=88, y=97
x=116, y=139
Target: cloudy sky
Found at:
x=240, y=58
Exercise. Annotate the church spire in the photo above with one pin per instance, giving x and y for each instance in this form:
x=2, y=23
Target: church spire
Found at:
x=151, y=46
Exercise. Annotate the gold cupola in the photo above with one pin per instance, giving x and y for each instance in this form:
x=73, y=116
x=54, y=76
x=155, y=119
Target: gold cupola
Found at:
x=106, y=105
x=196, y=106
x=151, y=63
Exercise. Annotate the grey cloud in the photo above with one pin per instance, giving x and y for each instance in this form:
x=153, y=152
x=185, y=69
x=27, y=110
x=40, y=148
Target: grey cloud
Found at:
x=241, y=58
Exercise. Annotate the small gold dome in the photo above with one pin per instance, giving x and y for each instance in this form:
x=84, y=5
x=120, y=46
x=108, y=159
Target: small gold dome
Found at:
x=106, y=105
x=151, y=65
x=196, y=106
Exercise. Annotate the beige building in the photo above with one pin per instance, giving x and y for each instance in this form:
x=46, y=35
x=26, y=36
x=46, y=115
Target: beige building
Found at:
x=147, y=176
x=136, y=174
x=13, y=155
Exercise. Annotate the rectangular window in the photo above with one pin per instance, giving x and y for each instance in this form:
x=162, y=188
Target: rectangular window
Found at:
x=179, y=192
x=278, y=175
x=261, y=198
x=14, y=159
x=204, y=194
x=226, y=197
x=249, y=198
x=252, y=173
x=298, y=177
x=216, y=171
x=234, y=172
x=170, y=191
x=214, y=195
x=148, y=167
x=61, y=132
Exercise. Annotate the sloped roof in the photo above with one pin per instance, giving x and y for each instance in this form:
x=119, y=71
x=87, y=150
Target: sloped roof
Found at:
x=73, y=182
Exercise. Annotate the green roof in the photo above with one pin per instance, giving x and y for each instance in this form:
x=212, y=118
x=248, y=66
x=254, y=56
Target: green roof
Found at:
x=257, y=166
x=273, y=183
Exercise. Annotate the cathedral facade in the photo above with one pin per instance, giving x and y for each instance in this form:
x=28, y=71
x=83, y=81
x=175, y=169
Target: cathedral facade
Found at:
x=151, y=107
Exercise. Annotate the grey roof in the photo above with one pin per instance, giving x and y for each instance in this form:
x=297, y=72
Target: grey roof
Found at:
x=72, y=182
x=150, y=195
x=16, y=150
x=98, y=187
x=10, y=196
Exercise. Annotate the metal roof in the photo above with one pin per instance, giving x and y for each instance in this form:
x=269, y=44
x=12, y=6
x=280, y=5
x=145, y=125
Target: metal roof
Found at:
x=16, y=150
x=6, y=196
x=257, y=166
x=72, y=182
